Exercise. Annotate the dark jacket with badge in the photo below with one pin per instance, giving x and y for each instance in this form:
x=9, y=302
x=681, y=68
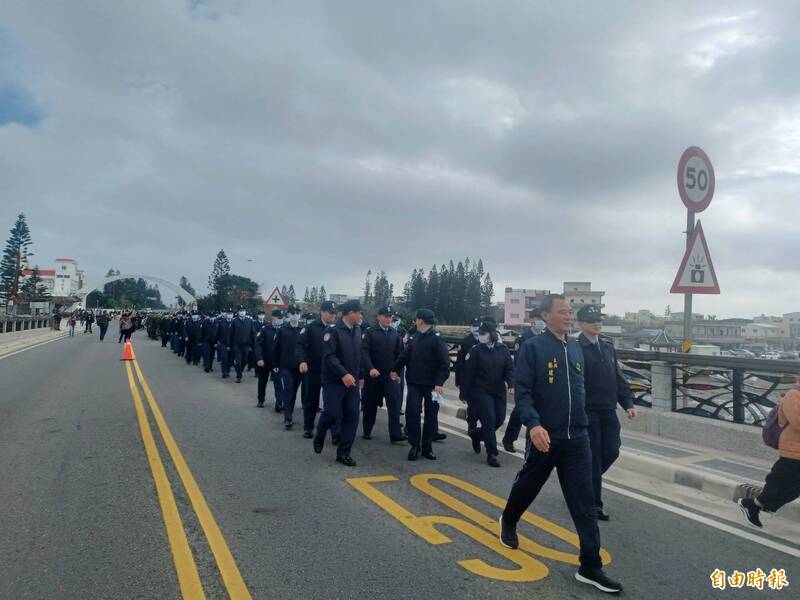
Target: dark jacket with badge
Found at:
x=380, y=349
x=224, y=332
x=487, y=369
x=284, y=352
x=241, y=331
x=209, y=333
x=526, y=335
x=192, y=329
x=264, y=342
x=342, y=353
x=464, y=346
x=548, y=380
x=310, y=347
x=426, y=359
x=605, y=385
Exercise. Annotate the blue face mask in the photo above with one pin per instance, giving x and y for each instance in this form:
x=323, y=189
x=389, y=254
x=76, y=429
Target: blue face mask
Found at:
x=540, y=325
x=278, y=322
x=294, y=318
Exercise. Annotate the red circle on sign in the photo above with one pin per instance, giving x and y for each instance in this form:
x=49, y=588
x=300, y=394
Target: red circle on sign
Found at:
x=702, y=204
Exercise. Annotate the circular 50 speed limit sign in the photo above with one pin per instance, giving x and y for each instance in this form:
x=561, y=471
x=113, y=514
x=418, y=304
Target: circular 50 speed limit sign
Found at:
x=695, y=179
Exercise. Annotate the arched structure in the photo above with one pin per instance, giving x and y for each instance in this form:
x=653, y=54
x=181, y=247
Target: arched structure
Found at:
x=179, y=291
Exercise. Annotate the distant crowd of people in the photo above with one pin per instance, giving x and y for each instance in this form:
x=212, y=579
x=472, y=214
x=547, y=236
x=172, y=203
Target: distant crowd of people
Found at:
x=129, y=321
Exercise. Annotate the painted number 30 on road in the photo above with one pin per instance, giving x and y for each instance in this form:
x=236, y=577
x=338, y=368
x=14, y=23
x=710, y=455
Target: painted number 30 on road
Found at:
x=695, y=179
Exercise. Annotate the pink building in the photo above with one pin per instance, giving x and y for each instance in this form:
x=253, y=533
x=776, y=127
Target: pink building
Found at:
x=519, y=303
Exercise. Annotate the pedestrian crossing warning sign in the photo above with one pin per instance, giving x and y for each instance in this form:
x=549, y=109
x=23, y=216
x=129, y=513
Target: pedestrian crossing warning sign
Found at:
x=275, y=300
x=696, y=274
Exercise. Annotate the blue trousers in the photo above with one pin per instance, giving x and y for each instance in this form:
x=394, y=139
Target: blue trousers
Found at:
x=286, y=392
x=173, y=342
x=224, y=358
x=491, y=412
x=417, y=399
x=194, y=350
x=208, y=355
x=240, y=354
x=605, y=442
x=375, y=392
x=341, y=405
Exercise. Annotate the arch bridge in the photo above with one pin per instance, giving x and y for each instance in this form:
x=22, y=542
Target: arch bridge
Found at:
x=188, y=298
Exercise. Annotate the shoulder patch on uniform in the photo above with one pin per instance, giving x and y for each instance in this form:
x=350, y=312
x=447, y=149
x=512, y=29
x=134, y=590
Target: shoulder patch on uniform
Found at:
x=363, y=336
x=326, y=337
x=438, y=334
x=467, y=356
x=302, y=331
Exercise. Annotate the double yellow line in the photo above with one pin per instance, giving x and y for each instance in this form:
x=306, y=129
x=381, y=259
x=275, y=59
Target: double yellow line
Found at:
x=185, y=565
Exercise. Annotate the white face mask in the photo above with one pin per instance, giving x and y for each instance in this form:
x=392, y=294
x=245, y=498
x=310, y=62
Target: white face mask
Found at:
x=195, y=317
x=260, y=318
x=294, y=318
x=242, y=313
x=278, y=322
x=395, y=325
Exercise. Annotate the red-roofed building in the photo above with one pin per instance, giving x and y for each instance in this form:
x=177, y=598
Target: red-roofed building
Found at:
x=62, y=281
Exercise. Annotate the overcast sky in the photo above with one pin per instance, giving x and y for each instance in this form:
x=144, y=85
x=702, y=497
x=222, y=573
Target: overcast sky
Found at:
x=324, y=139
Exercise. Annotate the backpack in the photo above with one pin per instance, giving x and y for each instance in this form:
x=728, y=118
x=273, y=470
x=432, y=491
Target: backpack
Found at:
x=771, y=433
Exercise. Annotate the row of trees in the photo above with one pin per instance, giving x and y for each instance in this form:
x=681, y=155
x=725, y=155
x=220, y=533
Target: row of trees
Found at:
x=15, y=288
x=126, y=293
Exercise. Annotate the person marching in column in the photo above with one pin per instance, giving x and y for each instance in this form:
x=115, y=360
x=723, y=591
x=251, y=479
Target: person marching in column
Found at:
x=224, y=342
x=310, y=348
x=263, y=348
x=605, y=388
x=286, y=364
x=258, y=324
x=486, y=379
x=464, y=346
x=191, y=337
x=341, y=371
x=241, y=338
x=427, y=364
x=209, y=334
x=548, y=378
x=163, y=329
x=381, y=347
x=278, y=318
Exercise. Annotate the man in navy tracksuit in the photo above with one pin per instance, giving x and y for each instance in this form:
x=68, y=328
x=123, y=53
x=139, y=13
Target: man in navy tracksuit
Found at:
x=310, y=348
x=341, y=371
x=605, y=388
x=286, y=365
x=381, y=347
x=549, y=381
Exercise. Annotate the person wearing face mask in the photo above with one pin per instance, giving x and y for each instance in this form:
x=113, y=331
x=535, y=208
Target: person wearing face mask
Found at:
x=241, y=339
x=464, y=346
x=263, y=349
x=258, y=323
x=341, y=372
x=208, y=339
x=286, y=365
x=192, y=332
x=381, y=347
x=514, y=425
x=278, y=318
x=427, y=363
x=224, y=342
x=486, y=378
x=309, y=349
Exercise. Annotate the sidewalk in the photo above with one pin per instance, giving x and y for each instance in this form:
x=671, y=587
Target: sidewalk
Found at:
x=721, y=474
x=21, y=340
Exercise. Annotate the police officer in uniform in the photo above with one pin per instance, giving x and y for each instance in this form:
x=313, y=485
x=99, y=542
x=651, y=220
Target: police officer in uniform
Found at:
x=310, y=348
x=258, y=323
x=263, y=348
x=381, y=347
x=191, y=337
x=286, y=364
x=464, y=346
x=208, y=339
x=224, y=342
x=163, y=330
x=427, y=364
x=241, y=339
x=341, y=371
x=278, y=317
x=605, y=388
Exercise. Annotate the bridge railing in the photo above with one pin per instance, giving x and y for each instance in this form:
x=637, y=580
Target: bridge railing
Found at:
x=11, y=324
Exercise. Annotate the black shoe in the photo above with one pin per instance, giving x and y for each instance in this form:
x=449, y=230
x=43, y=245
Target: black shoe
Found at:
x=413, y=454
x=336, y=439
x=750, y=510
x=398, y=438
x=288, y=424
x=308, y=434
x=491, y=460
x=367, y=436
x=476, y=442
x=279, y=408
x=429, y=455
x=224, y=375
x=602, y=515
x=347, y=461
x=509, y=446
x=260, y=404
x=319, y=444
x=207, y=370
x=508, y=535
x=598, y=579
x=238, y=380
x=438, y=437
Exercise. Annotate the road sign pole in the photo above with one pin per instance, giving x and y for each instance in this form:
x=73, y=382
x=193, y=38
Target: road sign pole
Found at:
x=687, y=298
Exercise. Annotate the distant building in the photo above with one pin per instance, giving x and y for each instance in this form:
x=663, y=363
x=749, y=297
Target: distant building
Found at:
x=643, y=318
x=579, y=293
x=519, y=303
x=62, y=281
x=339, y=298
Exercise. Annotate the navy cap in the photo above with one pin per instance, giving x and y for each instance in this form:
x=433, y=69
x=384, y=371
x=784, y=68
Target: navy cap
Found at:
x=487, y=327
x=386, y=311
x=308, y=316
x=351, y=306
x=476, y=322
x=328, y=306
x=426, y=315
x=277, y=313
x=590, y=314
x=293, y=309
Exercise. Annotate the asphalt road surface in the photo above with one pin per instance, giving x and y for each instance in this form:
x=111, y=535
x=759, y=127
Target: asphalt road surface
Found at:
x=153, y=479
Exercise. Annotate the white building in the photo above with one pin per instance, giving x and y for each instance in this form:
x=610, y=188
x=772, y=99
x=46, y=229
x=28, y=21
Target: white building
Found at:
x=579, y=293
x=64, y=280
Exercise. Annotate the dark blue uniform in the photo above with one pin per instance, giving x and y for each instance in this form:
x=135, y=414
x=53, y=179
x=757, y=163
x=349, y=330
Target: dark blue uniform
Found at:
x=192, y=329
x=310, y=348
x=486, y=374
x=514, y=425
x=341, y=356
x=224, y=346
x=464, y=346
x=241, y=336
x=381, y=347
x=208, y=338
x=427, y=365
x=163, y=330
x=263, y=348
x=284, y=358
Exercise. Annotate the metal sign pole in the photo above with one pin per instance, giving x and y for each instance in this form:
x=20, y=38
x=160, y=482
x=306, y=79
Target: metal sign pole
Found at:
x=687, y=298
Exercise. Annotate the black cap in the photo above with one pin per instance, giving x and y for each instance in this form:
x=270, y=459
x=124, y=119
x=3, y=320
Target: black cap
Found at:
x=308, y=316
x=328, y=306
x=242, y=307
x=426, y=315
x=487, y=327
x=293, y=309
x=261, y=311
x=536, y=313
x=476, y=322
x=386, y=311
x=351, y=306
x=277, y=313
x=590, y=314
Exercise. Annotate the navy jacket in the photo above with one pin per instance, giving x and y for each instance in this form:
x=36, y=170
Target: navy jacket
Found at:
x=426, y=359
x=526, y=335
x=465, y=345
x=487, y=370
x=192, y=329
x=284, y=352
x=310, y=347
x=263, y=347
x=604, y=382
x=548, y=379
x=241, y=331
x=342, y=353
x=209, y=331
x=224, y=332
x=163, y=326
x=380, y=350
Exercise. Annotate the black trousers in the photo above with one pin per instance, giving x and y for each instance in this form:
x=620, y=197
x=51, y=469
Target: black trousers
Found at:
x=263, y=378
x=309, y=398
x=782, y=485
x=340, y=406
x=605, y=442
x=491, y=412
x=572, y=460
x=420, y=436
x=375, y=392
x=208, y=355
x=513, y=427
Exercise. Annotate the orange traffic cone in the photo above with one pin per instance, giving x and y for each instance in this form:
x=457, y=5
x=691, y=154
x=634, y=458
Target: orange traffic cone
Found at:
x=127, y=353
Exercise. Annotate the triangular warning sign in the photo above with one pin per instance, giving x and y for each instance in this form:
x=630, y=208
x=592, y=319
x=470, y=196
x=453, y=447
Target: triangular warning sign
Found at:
x=275, y=299
x=696, y=274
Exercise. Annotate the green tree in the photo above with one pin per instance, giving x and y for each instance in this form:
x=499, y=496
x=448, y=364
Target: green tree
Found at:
x=322, y=295
x=34, y=289
x=368, y=288
x=313, y=296
x=307, y=297
x=239, y=290
x=382, y=294
x=487, y=291
x=291, y=297
x=221, y=267
x=184, y=284
x=14, y=256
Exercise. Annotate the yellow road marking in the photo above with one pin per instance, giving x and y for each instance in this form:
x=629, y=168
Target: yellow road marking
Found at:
x=185, y=567
x=231, y=577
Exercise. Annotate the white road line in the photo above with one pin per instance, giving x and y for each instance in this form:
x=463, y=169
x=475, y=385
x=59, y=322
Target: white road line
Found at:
x=2, y=356
x=673, y=509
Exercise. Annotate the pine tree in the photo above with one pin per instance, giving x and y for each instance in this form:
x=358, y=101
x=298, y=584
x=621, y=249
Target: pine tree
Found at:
x=14, y=256
x=322, y=296
x=221, y=267
x=432, y=290
x=313, y=296
x=487, y=291
x=291, y=296
x=306, y=297
x=368, y=288
x=184, y=284
x=383, y=290
x=34, y=289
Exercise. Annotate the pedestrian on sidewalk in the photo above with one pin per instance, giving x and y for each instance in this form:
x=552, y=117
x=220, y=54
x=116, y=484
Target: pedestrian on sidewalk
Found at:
x=550, y=394
x=72, y=322
x=102, y=323
x=783, y=481
x=605, y=388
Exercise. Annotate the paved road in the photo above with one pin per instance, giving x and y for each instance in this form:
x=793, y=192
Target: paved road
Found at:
x=82, y=518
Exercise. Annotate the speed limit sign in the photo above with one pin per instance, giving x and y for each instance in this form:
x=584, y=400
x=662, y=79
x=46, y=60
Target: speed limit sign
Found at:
x=695, y=179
